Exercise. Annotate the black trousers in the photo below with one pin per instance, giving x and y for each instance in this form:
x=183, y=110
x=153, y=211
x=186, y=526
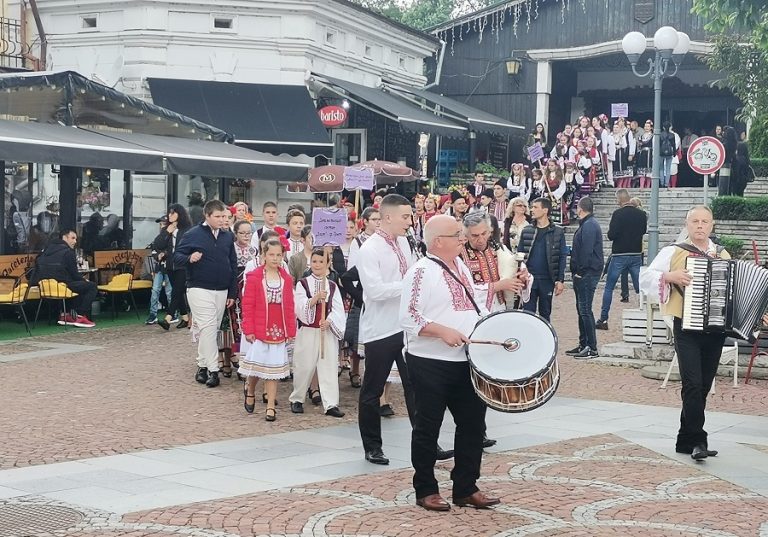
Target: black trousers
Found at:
x=178, y=293
x=86, y=294
x=439, y=385
x=698, y=355
x=379, y=356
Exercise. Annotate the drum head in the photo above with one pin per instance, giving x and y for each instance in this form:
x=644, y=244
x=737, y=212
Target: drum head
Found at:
x=531, y=345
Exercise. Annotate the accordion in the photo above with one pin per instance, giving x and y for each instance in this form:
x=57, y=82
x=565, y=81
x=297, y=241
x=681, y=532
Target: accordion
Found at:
x=725, y=296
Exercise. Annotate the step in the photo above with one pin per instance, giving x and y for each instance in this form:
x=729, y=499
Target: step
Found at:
x=658, y=372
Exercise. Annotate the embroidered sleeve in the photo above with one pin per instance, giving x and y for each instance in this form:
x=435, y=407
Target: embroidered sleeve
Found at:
x=652, y=282
x=412, y=317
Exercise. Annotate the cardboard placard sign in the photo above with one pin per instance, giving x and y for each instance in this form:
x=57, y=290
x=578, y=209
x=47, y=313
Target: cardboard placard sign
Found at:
x=329, y=226
x=358, y=179
x=535, y=152
x=620, y=110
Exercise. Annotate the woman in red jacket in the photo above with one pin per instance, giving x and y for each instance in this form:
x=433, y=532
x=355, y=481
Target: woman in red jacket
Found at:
x=269, y=322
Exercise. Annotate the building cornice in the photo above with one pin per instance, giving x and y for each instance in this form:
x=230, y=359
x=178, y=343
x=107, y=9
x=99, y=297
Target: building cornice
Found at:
x=601, y=49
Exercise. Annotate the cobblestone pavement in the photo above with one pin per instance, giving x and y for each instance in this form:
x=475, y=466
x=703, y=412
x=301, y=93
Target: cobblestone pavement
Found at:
x=136, y=392
x=592, y=486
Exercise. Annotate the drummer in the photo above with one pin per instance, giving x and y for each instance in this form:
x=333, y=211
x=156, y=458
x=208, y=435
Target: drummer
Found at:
x=437, y=313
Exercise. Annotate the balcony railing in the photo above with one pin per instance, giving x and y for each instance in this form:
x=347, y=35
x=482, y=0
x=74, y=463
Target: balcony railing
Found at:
x=11, y=46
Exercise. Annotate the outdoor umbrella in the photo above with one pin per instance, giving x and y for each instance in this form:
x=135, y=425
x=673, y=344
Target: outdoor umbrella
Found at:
x=389, y=173
x=326, y=179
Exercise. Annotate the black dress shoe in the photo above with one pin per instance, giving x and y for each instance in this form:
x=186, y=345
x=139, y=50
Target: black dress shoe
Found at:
x=386, y=411
x=335, y=412
x=488, y=442
x=182, y=324
x=444, y=454
x=249, y=408
x=601, y=325
x=699, y=453
x=625, y=299
x=162, y=323
x=202, y=375
x=297, y=408
x=213, y=379
x=574, y=351
x=376, y=456
x=688, y=451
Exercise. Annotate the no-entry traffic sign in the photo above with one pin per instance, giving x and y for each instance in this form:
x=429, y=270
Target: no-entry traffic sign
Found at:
x=706, y=155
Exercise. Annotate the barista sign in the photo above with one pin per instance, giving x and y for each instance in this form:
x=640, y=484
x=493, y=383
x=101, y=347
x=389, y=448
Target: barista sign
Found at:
x=333, y=116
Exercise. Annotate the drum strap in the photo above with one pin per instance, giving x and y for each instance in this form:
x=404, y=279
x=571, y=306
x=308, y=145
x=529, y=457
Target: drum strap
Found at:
x=449, y=271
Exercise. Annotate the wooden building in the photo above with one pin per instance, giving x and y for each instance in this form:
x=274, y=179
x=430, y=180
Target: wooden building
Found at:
x=570, y=63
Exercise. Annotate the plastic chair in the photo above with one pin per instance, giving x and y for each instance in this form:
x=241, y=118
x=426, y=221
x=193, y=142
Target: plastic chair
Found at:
x=729, y=354
x=119, y=284
x=53, y=290
x=17, y=297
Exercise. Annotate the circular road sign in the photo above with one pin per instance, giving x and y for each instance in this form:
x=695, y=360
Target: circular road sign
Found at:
x=706, y=155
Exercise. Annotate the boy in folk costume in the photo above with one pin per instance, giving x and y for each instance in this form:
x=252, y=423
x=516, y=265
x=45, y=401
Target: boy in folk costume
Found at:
x=321, y=316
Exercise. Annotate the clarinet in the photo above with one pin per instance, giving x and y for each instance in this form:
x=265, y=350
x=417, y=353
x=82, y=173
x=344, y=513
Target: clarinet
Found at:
x=414, y=243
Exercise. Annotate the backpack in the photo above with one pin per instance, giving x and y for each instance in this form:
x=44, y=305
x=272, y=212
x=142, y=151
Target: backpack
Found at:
x=667, y=144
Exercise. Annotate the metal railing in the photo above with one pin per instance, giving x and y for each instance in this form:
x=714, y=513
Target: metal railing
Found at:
x=11, y=45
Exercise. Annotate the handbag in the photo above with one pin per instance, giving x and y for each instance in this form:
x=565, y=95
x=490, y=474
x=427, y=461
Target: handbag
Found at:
x=750, y=174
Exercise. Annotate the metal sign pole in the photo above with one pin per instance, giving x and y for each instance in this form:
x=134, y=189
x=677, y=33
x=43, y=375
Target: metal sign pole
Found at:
x=706, y=189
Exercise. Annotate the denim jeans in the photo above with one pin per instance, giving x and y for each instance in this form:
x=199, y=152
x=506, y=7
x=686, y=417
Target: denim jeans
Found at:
x=157, y=286
x=666, y=169
x=584, y=287
x=620, y=264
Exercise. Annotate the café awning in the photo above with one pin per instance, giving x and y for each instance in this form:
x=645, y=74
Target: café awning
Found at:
x=411, y=116
x=267, y=117
x=475, y=119
x=72, y=146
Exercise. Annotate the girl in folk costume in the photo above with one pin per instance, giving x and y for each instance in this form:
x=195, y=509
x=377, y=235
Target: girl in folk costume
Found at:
x=555, y=190
x=577, y=135
x=607, y=147
x=584, y=123
x=230, y=331
x=573, y=180
x=321, y=316
x=620, y=156
x=538, y=188
x=560, y=151
x=595, y=157
x=418, y=215
x=295, y=223
x=518, y=184
x=430, y=206
x=269, y=322
x=518, y=218
x=243, y=212
x=645, y=155
x=445, y=204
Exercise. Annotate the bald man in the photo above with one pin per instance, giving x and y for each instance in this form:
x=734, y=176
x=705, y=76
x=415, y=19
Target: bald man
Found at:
x=437, y=313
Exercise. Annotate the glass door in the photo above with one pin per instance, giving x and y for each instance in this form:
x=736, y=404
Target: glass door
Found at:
x=349, y=146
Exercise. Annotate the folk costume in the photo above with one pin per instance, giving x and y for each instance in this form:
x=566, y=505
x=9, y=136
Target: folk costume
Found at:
x=382, y=264
x=644, y=158
x=698, y=353
x=268, y=314
x=484, y=267
x=230, y=331
x=434, y=293
x=623, y=147
x=316, y=348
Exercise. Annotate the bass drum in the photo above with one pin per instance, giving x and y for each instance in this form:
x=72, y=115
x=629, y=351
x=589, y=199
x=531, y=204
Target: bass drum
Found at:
x=521, y=372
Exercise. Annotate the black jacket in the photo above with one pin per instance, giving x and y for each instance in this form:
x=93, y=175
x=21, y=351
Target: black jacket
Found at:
x=587, y=250
x=350, y=282
x=57, y=261
x=217, y=269
x=626, y=230
x=557, y=250
x=164, y=243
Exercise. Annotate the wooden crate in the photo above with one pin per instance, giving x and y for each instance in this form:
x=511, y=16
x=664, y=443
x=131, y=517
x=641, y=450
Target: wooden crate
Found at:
x=634, y=325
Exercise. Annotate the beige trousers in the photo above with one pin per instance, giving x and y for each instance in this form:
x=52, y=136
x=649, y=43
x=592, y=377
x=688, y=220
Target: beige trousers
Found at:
x=306, y=358
x=207, y=309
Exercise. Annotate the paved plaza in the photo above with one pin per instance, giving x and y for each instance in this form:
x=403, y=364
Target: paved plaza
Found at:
x=106, y=434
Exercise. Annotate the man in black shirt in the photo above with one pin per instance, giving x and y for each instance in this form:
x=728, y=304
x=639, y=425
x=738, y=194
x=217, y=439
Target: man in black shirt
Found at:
x=626, y=230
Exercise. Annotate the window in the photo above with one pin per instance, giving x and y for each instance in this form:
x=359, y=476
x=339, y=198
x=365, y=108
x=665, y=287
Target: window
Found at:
x=402, y=62
x=89, y=22
x=331, y=37
x=368, y=51
x=223, y=23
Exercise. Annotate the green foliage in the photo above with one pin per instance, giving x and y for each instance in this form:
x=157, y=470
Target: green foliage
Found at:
x=422, y=14
x=489, y=169
x=733, y=245
x=738, y=208
x=758, y=138
x=759, y=164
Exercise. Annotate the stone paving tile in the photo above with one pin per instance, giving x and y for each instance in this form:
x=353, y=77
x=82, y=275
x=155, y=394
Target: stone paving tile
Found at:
x=136, y=392
x=572, y=488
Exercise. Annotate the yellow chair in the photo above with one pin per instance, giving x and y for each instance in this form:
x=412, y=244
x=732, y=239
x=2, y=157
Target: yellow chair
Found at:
x=16, y=296
x=55, y=290
x=120, y=283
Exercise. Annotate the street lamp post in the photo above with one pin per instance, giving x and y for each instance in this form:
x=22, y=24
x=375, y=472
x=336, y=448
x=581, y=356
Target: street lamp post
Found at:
x=669, y=44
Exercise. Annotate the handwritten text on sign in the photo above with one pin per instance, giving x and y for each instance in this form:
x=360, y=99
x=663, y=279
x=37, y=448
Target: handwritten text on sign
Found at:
x=535, y=152
x=706, y=155
x=358, y=179
x=619, y=110
x=329, y=226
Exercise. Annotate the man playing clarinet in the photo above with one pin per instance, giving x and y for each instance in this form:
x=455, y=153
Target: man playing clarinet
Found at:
x=698, y=353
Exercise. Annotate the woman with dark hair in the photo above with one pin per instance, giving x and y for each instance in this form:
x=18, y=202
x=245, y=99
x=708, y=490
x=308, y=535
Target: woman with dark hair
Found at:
x=538, y=135
x=741, y=172
x=178, y=224
x=91, y=241
x=730, y=142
